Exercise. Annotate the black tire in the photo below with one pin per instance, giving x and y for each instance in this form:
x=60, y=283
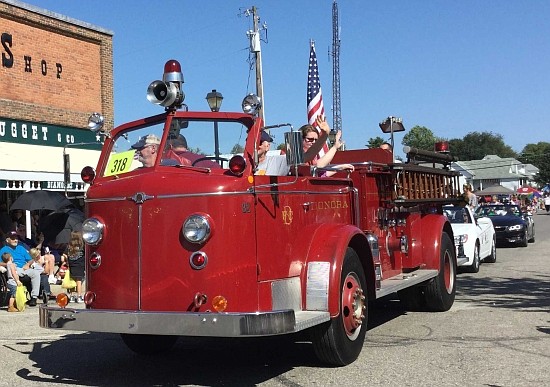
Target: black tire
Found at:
x=148, y=344
x=532, y=240
x=440, y=291
x=474, y=267
x=340, y=341
x=523, y=242
x=492, y=258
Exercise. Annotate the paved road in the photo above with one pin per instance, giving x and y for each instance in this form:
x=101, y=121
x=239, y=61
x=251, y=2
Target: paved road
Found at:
x=496, y=334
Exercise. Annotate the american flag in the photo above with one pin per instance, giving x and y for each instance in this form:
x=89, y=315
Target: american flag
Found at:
x=314, y=95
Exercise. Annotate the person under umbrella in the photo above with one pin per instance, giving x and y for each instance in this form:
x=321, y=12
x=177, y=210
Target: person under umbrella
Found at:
x=41, y=200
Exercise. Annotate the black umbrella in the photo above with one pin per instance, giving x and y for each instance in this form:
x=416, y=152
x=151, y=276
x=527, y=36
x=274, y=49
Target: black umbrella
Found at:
x=40, y=200
x=57, y=226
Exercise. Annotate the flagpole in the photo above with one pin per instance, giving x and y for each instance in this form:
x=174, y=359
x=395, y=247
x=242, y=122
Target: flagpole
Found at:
x=314, y=99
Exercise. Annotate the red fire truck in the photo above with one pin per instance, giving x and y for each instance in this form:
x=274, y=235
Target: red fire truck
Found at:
x=183, y=249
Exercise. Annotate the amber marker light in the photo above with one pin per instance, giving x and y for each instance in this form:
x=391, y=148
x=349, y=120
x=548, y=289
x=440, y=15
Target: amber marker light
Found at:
x=219, y=303
x=62, y=300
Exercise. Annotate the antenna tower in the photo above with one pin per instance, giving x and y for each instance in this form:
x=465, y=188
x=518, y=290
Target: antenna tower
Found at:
x=336, y=108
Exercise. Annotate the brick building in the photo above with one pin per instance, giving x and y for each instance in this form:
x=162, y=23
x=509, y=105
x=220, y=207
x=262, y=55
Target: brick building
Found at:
x=54, y=72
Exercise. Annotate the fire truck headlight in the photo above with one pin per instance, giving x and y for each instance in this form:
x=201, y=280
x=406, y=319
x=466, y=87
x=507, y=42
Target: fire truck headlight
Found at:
x=92, y=231
x=197, y=229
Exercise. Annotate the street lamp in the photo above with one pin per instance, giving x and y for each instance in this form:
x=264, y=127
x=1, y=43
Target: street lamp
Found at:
x=391, y=125
x=214, y=100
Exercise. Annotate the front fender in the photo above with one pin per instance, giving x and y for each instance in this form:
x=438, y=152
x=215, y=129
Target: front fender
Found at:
x=433, y=227
x=327, y=250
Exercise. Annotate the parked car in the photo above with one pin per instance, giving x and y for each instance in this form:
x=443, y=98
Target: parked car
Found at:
x=475, y=238
x=512, y=225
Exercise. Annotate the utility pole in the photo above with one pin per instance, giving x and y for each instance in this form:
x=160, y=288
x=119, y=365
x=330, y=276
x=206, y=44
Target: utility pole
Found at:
x=255, y=48
x=336, y=107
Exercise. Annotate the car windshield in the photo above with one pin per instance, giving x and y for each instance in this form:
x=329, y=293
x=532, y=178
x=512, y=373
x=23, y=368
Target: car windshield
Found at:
x=457, y=214
x=498, y=210
x=188, y=141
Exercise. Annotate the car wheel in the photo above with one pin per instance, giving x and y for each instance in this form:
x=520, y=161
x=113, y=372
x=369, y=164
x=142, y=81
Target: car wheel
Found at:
x=474, y=267
x=523, y=242
x=532, y=240
x=492, y=258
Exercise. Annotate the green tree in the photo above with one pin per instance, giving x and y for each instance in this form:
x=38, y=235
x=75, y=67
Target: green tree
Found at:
x=237, y=148
x=477, y=145
x=420, y=137
x=375, y=142
x=281, y=146
x=539, y=155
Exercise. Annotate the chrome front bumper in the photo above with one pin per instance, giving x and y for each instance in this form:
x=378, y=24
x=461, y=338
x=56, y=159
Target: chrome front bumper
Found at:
x=179, y=324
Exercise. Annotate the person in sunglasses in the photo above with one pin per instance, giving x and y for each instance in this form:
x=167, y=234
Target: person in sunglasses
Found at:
x=276, y=165
x=310, y=136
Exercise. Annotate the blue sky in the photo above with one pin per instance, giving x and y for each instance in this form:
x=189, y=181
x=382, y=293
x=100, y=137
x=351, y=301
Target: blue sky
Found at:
x=452, y=66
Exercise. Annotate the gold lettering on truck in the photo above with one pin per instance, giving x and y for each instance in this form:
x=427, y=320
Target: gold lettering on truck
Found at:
x=287, y=215
x=330, y=205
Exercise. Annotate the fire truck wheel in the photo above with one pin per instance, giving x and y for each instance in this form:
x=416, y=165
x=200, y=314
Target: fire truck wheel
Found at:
x=340, y=340
x=440, y=291
x=148, y=344
x=492, y=258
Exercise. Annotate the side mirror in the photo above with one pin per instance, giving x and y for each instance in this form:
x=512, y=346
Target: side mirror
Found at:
x=294, y=150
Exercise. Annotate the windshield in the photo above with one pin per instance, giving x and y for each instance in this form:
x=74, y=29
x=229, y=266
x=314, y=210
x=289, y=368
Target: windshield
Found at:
x=189, y=143
x=498, y=210
x=457, y=214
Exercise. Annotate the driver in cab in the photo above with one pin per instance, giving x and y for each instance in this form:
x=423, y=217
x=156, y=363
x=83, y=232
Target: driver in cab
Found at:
x=182, y=156
x=147, y=149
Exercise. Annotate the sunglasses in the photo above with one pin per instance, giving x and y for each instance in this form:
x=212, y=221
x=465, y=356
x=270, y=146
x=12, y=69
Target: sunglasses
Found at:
x=310, y=139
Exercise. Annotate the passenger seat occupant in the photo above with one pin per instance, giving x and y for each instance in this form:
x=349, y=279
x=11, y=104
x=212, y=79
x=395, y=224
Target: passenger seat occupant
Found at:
x=147, y=148
x=276, y=165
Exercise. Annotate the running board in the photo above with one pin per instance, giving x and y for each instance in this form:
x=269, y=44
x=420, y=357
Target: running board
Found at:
x=306, y=319
x=461, y=261
x=402, y=281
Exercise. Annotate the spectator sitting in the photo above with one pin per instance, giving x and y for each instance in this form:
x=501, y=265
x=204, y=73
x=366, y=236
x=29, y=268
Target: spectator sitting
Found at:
x=20, y=258
x=29, y=244
x=13, y=280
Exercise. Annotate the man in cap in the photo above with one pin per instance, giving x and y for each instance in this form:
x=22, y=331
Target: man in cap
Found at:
x=147, y=148
x=20, y=258
x=274, y=165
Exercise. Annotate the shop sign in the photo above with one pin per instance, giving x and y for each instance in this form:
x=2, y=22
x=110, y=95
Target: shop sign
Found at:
x=56, y=185
x=25, y=132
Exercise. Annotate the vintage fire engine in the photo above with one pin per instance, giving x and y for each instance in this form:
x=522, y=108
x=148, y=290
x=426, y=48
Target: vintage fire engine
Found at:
x=183, y=249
